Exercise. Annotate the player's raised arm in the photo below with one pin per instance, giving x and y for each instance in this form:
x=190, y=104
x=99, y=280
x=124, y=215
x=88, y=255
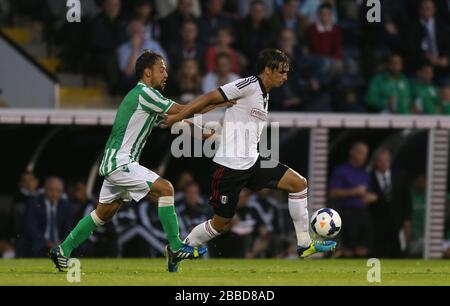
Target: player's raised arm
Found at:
x=201, y=105
x=225, y=95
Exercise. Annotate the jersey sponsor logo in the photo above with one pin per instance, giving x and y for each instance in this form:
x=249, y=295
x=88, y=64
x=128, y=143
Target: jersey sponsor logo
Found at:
x=260, y=114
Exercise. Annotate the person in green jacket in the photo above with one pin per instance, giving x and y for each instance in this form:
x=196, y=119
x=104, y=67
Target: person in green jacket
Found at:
x=389, y=92
x=425, y=95
x=445, y=96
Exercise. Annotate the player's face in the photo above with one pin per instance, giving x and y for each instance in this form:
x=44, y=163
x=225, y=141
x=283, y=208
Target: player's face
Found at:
x=159, y=75
x=280, y=75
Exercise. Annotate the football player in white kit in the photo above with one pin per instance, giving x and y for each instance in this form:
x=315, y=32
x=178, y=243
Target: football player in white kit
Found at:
x=237, y=160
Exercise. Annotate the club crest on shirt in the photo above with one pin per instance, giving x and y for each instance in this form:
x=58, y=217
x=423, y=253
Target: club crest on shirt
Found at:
x=260, y=114
x=223, y=199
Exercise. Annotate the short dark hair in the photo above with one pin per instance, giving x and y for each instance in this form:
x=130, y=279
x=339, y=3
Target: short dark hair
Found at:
x=272, y=59
x=146, y=60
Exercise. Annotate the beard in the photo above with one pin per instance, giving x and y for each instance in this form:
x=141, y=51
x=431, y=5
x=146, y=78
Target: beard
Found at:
x=161, y=86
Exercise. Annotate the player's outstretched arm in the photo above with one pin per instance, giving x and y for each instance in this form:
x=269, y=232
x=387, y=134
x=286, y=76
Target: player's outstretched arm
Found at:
x=199, y=105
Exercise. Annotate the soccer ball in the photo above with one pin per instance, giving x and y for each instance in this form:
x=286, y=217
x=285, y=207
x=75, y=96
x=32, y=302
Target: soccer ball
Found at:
x=326, y=223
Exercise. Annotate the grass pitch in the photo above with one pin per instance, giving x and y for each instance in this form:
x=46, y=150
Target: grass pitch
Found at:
x=227, y=272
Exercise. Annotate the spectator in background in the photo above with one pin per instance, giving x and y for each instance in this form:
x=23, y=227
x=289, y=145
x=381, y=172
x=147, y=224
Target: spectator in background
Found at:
x=189, y=81
x=79, y=199
x=244, y=7
x=388, y=212
x=350, y=189
x=211, y=21
x=107, y=33
x=129, y=51
x=309, y=9
x=389, y=92
x=288, y=96
x=28, y=190
x=445, y=97
x=188, y=47
x=222, y=76
x=425, y=95
x=429, y=39
x=171, y=25
x=223, y=45
x=166, y=7
x=379, y=39
x=252, y=32
x=191, y=208
x=303, y=90
x=287, y=18
x=48, y=219
x=324, y=38
x=349, y=102
x=144, y=11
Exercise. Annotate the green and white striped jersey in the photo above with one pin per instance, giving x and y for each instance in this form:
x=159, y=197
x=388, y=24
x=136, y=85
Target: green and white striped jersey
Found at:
x=139, y=111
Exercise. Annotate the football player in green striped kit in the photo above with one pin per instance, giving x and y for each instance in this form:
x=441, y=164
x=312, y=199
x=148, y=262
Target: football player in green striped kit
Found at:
x=124, y=178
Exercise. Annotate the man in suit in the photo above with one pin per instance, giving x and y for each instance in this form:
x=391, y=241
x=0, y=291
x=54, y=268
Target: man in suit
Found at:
x=429, y=39
x=47, y=219
x=388, y=211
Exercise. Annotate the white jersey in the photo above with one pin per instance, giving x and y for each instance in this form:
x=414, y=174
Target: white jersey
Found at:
x=243, y=123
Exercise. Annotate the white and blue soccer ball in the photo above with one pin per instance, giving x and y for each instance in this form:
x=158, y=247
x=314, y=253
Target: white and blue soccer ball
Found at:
x=326, y=223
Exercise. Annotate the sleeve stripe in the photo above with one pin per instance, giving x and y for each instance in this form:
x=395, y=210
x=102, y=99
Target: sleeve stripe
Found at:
x=246, y=84
x=155, y=97
x=246, y=80
x=149, y=105
x=223, y=94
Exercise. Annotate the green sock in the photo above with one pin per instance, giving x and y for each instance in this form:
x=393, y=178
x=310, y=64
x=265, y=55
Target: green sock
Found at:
x=168, y=217
x=78, y=235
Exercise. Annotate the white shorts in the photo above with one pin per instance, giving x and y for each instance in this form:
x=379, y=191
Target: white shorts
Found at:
x=129, y=182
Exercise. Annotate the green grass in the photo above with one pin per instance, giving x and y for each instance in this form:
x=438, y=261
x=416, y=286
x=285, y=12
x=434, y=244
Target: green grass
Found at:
x=227, y=272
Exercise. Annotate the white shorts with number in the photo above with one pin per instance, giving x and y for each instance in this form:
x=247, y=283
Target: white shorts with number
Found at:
x=129, y=182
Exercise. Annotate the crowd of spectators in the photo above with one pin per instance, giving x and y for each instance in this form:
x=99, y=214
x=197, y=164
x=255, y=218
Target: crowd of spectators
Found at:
x=342, y=62
x=40, y=218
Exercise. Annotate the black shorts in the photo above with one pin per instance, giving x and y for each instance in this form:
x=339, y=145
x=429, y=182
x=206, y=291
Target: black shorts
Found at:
x=227, y=184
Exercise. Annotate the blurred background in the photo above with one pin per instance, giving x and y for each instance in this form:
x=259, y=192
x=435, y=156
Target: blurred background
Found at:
x=364, y=111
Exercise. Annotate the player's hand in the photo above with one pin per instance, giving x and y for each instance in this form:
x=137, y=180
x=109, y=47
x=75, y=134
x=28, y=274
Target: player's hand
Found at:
x=230, y=103
x=169, y=120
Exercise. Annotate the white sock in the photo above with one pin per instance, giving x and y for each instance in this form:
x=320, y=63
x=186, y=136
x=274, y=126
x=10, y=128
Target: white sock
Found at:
x=96, y=219
x=298, y=209
x=201, y=234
